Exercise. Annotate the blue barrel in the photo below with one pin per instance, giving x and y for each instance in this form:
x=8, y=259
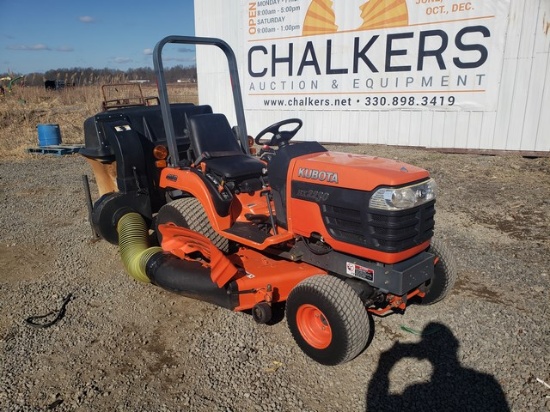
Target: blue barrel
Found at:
x=49, y=135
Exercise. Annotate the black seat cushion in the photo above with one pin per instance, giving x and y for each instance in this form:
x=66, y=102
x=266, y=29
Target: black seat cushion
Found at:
x=235, y=167
x=212, y=138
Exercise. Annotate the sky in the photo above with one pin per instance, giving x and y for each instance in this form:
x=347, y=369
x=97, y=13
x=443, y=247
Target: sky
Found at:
x=41, y=35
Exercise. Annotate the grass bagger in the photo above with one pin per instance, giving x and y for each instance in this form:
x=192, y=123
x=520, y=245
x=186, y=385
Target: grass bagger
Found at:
x=327, y=238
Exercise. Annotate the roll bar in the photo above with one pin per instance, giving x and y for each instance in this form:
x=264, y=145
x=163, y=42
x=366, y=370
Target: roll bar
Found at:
x=163, y=92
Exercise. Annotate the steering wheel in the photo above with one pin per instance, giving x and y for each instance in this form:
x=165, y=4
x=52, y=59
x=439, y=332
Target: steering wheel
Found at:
x=280, y=138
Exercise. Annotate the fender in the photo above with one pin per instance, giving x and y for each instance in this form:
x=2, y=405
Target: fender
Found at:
x=190, y=181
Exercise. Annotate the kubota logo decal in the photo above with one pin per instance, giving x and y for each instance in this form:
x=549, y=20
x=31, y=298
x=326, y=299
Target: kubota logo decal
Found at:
x=321, y=175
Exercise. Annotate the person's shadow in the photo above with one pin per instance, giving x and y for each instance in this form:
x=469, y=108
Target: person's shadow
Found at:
x=451, y=387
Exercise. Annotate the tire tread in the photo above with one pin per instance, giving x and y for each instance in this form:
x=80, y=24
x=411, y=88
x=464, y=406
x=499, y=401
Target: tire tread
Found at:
x=448, y=266
x=192, y=213
x=348, y=307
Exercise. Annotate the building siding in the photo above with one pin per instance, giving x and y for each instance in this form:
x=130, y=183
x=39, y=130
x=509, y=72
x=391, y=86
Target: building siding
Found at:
x=519, y=122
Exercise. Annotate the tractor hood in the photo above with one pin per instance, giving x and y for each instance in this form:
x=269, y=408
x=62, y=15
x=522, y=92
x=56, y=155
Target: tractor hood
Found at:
x=359, y=172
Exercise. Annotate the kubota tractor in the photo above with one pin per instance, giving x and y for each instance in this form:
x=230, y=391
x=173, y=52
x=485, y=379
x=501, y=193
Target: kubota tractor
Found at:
x=332, y=238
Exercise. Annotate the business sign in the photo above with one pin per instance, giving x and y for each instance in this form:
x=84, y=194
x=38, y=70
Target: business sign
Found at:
x=373, y=54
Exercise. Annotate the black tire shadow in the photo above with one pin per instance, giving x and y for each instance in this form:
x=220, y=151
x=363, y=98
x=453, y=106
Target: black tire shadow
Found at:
x=451, y=387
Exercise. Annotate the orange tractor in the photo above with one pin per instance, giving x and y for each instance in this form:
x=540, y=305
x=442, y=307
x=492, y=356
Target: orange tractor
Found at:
x=329, y=238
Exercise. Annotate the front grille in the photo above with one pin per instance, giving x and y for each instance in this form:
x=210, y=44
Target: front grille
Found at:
x=380, y=230
x=348, y=219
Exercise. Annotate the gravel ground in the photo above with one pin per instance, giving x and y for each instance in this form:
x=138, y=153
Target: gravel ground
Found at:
x=127, y=346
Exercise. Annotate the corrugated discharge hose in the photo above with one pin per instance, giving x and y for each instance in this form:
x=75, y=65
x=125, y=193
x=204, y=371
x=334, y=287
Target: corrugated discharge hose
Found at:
x=133, y=245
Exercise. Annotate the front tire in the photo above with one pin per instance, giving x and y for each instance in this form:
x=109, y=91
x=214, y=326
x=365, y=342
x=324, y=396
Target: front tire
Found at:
x=445, y=274
x=327, y=320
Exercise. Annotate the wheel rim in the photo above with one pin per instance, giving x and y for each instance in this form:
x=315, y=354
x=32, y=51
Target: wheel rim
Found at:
x=314, y=326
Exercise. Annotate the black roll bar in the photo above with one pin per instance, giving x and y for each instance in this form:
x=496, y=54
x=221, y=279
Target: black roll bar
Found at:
x=163, y=92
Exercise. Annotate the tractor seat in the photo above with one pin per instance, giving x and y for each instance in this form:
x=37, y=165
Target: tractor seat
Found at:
x=215, y=144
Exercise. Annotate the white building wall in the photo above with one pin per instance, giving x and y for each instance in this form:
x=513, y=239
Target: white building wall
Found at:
x=516, y=119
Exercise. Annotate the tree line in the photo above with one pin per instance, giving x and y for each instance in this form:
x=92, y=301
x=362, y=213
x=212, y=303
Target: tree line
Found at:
x=79, y=76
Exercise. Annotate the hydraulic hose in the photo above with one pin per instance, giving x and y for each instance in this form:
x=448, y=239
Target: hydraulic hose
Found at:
x=133, y=245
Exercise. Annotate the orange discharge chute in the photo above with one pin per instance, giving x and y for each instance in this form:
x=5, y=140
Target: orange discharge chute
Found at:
x=183, y=242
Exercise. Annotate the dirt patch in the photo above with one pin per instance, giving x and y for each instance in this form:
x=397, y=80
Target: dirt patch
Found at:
x=126, y=345
x=21, y=262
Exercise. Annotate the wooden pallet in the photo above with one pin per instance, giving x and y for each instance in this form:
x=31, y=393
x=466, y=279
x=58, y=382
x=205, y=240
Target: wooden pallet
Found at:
x=57, y=150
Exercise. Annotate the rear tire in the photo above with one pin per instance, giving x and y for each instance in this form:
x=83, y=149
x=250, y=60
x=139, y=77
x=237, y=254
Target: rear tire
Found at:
x=189, y=213
x=445, y=274
x=327, y=320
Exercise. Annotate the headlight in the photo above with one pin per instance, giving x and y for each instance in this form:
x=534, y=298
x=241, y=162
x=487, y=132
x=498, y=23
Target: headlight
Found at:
x=388, y=198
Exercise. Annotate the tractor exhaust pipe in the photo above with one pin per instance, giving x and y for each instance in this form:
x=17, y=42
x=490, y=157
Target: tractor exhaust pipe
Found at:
x=150, y=264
